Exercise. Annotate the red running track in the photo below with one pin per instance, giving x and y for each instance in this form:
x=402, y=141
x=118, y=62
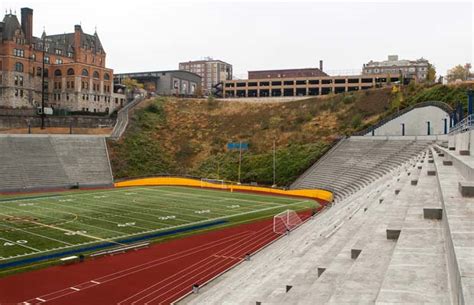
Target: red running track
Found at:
x=156, y=275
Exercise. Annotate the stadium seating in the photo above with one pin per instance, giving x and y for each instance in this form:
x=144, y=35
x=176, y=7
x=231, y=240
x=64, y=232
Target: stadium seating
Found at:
x=356, y=162
x=42, y=162
x=392, y=242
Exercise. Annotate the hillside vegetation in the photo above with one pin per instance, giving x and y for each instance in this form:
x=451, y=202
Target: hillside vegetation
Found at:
x=189, y=136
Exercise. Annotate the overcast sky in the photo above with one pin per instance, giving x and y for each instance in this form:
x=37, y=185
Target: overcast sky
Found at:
x=145, y=35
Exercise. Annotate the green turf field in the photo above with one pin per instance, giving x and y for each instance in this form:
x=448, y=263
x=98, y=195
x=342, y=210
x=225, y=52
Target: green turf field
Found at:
x=36, y=226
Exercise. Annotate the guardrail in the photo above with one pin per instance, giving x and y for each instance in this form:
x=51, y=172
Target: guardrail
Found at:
x=122, y=118
x=465, y=125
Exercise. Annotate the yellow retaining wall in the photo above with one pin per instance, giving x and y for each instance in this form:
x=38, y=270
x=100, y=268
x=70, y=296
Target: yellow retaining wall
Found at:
x=313, y=194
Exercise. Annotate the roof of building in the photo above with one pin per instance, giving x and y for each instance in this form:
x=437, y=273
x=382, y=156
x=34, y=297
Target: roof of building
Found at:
x=64, y=42
x=154, y=73
x=204, y=61
x=9, y=25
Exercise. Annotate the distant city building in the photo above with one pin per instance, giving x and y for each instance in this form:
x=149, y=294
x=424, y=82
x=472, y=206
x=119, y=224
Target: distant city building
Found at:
x=212, y=71
x=413, y=69
x=302, y=86
x=76, y=77
x=173, y=82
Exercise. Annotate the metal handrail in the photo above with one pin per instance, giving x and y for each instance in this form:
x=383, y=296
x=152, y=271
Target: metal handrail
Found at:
x=466, y=124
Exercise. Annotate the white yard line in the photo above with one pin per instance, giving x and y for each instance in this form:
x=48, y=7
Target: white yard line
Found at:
x=31, y=233
x=21, y=245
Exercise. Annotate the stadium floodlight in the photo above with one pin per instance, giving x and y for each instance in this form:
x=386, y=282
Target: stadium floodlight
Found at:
x=286, y=221
x=213, y=183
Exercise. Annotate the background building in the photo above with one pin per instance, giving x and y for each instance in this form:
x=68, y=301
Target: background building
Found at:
x=303, y=86
x=212, y=71
x=288, y=73
x=412, y=69
x=174, y=82
x=76, y=77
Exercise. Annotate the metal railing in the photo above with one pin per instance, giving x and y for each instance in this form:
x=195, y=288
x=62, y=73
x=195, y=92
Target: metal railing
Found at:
x=122, y=118
x=464, y=125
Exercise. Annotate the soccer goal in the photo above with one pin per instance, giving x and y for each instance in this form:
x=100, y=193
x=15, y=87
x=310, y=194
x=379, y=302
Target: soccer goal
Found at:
x=209, y=182
x=286, y=221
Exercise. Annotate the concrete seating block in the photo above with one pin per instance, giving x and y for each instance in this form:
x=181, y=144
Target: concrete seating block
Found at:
x=380, y=200
x=430, y=161
x=414, y=181
x=431, y=172
x=288, y=288
x=397, y=191
x=466, y=188
x=440, y=155
x=393, y=234
x=452, y=148
x=447, y=162
x=464, y=152
x=433, y=213
x=355, y=253
x=420, y=167
x=321, y=271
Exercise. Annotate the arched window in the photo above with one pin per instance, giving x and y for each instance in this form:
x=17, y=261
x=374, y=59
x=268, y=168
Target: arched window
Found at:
x=57, y=73
x=85, y=72
x=96, y=74
x=70, y=71
x=106, y=76
x=46, y=73
x=19, y=67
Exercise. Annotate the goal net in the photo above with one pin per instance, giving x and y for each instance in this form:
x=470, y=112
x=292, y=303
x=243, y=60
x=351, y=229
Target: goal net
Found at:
x=209, y=182
x=286, y=221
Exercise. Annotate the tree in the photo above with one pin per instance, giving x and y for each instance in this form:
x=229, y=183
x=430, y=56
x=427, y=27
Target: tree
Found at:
x=132, y=84
x=459, y=73
x=431, y=76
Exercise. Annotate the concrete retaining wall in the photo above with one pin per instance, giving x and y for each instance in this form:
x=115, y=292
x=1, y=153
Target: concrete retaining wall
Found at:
x=415, y=122
x=8, y=122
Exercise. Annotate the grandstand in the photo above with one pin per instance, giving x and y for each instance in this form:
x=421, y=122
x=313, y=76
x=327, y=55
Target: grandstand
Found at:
x=405, y=239
x=50, y=161
x=356, y=162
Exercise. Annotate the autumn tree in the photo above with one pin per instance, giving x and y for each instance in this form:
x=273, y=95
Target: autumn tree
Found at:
x=459, y=72
x=431, y=76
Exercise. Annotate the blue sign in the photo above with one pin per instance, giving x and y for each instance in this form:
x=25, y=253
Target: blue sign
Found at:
x=238, y=146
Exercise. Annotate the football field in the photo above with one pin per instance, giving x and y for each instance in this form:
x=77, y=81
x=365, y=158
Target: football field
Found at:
x=41, y=225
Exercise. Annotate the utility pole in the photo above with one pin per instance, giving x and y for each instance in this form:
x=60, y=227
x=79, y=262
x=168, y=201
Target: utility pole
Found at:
x=42, y=84
x=274, y=163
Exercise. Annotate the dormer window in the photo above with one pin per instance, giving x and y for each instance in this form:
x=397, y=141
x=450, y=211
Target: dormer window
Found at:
x=58, y=52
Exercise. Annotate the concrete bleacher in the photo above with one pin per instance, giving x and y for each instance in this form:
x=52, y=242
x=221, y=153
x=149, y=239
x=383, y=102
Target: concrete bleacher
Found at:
x=356, y=162
x=314, y=264
x=46, y=161
x=392, y=242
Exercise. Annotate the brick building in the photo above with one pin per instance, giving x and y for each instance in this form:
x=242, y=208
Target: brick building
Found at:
x=211, y=71
x=76, y=77
x=287, y=73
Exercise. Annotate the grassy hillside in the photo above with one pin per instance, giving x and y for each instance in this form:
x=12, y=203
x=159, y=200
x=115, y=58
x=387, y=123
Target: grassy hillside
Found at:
x=189, y=137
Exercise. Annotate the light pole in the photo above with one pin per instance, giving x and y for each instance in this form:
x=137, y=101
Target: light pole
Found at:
x=42, y=84
x=274, y=163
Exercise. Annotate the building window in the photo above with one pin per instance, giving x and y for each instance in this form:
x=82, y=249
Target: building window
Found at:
x=85, y=72
x=19, y=52
x=59, y=61
x=70, y=71
x=69, y=54
x=58, y=52
x=96, y=75
x=46, y=60
x=19, y=67
x=57, y=73
x=20, y=79
x=106, y=76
